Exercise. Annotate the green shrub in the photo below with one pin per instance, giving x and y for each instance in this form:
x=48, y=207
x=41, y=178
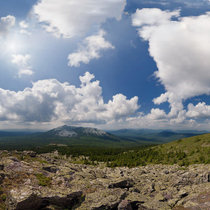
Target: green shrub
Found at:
x=4, y=197
x=184, y=163
x=43, y=180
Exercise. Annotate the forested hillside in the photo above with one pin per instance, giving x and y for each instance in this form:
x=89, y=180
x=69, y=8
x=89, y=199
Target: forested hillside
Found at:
x=183, y=152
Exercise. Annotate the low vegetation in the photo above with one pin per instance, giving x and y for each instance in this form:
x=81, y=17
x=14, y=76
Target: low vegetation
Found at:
x=186, y=151
x=193, y=150
x=43, y=180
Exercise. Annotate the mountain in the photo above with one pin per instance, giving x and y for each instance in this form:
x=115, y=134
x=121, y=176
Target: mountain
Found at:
x=72, y=131
x=67, y=136
x=89, y=137
x=155, y=136
x=85, y=136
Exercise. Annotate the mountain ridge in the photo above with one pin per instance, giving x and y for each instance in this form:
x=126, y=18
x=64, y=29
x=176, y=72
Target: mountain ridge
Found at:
x=156, y=136
x=74, y=131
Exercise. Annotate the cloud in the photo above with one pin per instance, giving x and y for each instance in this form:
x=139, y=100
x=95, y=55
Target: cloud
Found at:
x=194, y=3
x=21, y=60
x=161, y=2
x=52, y=101
x=6, y=23
x=181, y=49
x=90, y=49
x=152, y=16
x=23, y=63
x=157, y=114
x=26, y=72
x=24, y=28
x=201, y=110
x=23, y=24
x=68, y=18
x=25, y=32
x=120, y=107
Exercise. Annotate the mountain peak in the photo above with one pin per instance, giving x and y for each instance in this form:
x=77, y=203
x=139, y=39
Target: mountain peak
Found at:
x=73, y=131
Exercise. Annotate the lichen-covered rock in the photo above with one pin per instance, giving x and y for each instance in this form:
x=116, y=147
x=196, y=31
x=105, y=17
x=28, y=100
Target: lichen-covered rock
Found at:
x=30, y=153
x=49, y=181
x=125, y=205
x=103, y=199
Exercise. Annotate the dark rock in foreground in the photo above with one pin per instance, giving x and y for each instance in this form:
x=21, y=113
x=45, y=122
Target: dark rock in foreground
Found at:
x=35, y=202
x=127, y=183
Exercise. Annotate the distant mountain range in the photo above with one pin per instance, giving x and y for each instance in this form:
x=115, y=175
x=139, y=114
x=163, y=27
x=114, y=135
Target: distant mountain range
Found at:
x=65, y=135
x=155, y=136
x=84, y=136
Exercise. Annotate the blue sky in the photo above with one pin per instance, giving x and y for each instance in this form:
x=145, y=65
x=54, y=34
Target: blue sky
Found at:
x=117, y=64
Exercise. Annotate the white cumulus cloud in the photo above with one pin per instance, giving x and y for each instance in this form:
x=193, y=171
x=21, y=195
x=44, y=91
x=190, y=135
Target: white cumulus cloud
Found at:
x=120, y=107
x=157, y=114
x=201, y=110
x=52, y=101
x=181, y=49
x=68, y=18
x=156, y=17
x=89, y=49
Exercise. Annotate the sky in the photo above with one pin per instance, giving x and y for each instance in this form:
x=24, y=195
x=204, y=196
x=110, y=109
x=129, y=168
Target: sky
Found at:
x=109, y=64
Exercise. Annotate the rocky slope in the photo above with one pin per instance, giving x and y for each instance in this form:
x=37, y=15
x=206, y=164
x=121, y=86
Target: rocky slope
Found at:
x=50, y=181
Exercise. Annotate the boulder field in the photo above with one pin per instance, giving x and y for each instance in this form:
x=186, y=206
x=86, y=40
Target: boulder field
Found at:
x=49, y=181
